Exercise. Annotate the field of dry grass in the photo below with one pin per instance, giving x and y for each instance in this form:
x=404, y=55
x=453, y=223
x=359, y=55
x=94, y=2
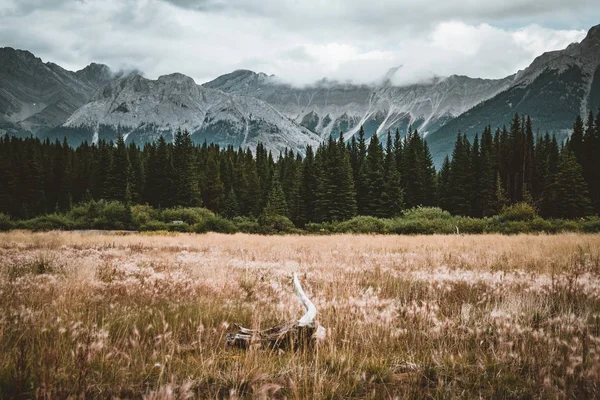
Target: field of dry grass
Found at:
x=101, y=316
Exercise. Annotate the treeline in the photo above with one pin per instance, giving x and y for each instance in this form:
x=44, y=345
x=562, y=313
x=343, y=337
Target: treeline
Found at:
x=512, y=165
x=335, y=182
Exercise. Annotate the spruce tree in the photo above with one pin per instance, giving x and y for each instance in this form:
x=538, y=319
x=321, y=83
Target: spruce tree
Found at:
x=361, y=175
x=459, y=180
x=444, y=185
x=186, y=188
x=276, y=204
x=308, y=189
x=392, y=196
x=213, y=190
x=570, y=192
x=375, y=177
x=575, y=142
x=119, y=173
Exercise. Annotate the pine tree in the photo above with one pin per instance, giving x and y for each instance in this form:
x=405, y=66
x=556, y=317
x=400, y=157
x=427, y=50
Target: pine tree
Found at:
x=528, y=159
x=475, y=177
x=501, y=198
x=119, y=173
x=569, y=192
x=487, y=178
x=186, y=189
x=138, y=175
x=444, y=185
x=160, y=175
x=516, y=147
x=459, y=180
x=231, y=208
x=276, y=204
x=575, y=142
x=361, y=175
x=213, y=190
x=392, y=196
x=335, y=187
x=375, y=177
x=590, y=164
x=308, y=189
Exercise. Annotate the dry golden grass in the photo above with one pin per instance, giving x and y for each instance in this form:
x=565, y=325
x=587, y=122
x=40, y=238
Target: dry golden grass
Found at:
x=102, y=316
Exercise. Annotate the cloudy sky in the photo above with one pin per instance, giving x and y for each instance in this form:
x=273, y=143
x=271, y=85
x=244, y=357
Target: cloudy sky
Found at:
x=299, y=41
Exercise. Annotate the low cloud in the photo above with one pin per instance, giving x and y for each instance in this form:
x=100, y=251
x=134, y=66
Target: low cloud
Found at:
x=300, y=42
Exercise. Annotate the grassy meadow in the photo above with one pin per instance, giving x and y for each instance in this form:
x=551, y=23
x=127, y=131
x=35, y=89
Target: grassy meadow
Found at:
x=100, y=315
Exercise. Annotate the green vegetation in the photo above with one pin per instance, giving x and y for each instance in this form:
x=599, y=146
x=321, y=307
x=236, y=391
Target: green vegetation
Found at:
x=498, y=182
x=112, y=215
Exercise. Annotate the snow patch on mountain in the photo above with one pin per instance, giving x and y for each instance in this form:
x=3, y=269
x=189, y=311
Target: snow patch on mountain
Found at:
x=147, y=108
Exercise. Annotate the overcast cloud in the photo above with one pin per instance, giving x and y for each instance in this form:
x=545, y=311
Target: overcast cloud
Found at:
x=299, y=41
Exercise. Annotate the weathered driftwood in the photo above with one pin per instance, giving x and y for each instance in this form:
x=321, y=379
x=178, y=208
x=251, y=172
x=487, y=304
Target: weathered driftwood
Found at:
x=293, y=334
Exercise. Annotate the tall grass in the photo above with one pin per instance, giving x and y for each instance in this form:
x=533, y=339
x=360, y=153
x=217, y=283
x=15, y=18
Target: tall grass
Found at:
x=88, y=315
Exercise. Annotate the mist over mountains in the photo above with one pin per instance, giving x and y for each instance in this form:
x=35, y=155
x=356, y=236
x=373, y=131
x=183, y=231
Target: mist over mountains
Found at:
x=244, y=108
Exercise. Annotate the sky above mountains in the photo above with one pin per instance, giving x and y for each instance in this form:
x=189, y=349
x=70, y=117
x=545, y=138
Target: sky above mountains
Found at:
x=299, y=41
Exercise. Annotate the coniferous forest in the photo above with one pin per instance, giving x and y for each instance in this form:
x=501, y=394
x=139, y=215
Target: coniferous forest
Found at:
x=337, y=181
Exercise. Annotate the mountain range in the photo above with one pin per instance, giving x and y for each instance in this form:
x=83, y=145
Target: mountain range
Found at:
x=244, y=108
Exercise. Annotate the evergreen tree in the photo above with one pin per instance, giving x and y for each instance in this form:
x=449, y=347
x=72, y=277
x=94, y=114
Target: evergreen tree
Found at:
x=308, y=189
x=213, y=190
x=392, y=196
x=186, y=189
x=501, y=198
x=276, y=204
x=488, y=174
x=575, y=143
x=361, y=175
x=590, y=163
x=459, y=180
x=375, y=177
x=119, y=173
x=569, y=192
x=444, y=186
x=138, y=175
x=335, y=186
x=160, y=175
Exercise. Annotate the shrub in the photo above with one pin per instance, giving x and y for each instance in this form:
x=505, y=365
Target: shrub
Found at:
x=541, y=225
x=401, y=226
x=181, y=227
x=214, y=223
x=514, y=227
x=362, y=224
x=6, y=223
x=272, y=223
x=152, y=226
x=189, y=215
x=565, y=225
x=143, y=214
x=324, y=228
x=47, y=223
x=591, y=225
x=518, y=212
x=84, y=214
x=246, y=224
x=429, y=213
x=116, y=214
x=470, y=225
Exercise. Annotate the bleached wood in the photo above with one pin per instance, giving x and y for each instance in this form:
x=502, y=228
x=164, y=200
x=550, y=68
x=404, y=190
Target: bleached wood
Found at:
x=311, y=311
x=292, y=334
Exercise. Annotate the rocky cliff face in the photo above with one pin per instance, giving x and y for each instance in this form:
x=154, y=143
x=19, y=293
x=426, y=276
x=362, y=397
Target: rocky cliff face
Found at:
x=328, y=107
x=142, y=109
x=35, y=95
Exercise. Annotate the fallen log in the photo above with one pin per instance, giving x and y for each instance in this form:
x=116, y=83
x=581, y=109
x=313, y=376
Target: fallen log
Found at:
x=289, y=335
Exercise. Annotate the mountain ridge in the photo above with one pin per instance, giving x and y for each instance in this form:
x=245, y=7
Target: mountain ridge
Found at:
x=244, y=107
